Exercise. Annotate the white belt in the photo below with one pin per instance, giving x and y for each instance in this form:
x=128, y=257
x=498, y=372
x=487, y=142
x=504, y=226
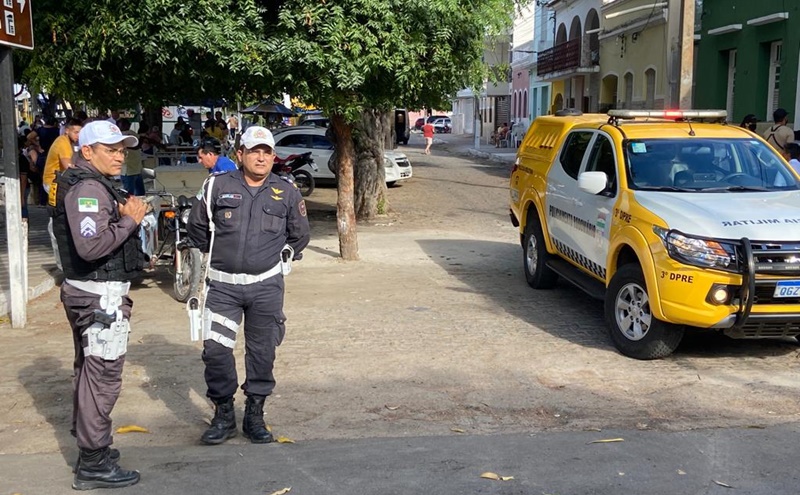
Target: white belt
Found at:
x=100, y=288
x=242, y=278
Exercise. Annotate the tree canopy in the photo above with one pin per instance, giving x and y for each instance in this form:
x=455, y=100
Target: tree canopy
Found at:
x=117, y=54
x=356, y=59
x=352, y=54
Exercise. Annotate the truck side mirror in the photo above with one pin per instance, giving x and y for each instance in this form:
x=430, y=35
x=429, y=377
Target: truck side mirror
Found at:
x=593, y=182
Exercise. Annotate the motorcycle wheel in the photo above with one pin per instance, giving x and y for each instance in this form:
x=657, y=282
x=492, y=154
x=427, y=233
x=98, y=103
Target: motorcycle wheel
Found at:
x=304, y=181
x=187, y=282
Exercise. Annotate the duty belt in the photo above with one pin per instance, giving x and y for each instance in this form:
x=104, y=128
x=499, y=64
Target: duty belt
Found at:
x=242, y=278
x=110, y=292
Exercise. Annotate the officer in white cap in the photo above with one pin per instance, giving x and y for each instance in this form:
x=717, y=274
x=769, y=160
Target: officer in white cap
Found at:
x=253, y=223
x=97, y=230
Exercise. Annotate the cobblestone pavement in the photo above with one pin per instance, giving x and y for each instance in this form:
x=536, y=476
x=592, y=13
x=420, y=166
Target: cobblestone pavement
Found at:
x=433, y=332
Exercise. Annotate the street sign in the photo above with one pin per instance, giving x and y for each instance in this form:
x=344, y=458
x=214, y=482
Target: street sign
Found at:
x=16, y=25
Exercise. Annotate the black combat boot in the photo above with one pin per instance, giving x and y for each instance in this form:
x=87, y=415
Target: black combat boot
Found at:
x=112, y=453
x=253, y=425
x=97, y=470
x=223, y=426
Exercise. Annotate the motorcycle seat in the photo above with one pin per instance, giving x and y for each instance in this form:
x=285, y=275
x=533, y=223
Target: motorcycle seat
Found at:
x=286, y=158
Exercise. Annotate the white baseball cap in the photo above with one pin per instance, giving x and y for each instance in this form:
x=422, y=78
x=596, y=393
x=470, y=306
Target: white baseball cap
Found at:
x=255, y=135
x=104, y=132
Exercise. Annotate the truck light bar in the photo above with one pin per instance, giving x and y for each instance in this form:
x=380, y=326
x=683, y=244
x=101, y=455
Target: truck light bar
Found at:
x=669, y=114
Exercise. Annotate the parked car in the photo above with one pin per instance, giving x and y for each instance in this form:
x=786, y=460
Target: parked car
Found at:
x=301, y=139
x=419, y=123
x=442, y=125
x=434, y=118
x=316, y=120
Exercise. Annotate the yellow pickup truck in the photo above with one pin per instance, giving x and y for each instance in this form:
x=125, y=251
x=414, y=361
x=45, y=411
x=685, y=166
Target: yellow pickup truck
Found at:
x=672, y=218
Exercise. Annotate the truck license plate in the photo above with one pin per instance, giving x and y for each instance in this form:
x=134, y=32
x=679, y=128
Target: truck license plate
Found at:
x=787, y=288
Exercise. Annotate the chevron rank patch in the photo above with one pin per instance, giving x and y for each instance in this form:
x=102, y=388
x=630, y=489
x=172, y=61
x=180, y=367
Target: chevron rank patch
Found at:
x=88, y=205
x=88, y=227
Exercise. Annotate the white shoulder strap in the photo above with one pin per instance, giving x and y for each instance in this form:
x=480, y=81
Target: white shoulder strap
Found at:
x=210, y=213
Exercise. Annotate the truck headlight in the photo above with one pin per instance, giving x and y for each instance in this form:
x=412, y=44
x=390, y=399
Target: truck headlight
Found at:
x=705, y=253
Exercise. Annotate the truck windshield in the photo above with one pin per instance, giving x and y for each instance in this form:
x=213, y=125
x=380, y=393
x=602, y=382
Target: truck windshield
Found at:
x=705, y=165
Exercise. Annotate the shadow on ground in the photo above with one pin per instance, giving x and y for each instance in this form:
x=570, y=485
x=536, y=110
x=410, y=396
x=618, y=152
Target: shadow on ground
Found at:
x=50, y=386
x=494, y=270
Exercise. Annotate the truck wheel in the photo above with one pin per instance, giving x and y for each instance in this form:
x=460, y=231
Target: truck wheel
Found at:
x=634, y=330
x=535, y=256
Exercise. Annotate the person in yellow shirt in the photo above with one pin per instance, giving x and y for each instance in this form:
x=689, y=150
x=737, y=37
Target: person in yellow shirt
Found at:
x=59, y=158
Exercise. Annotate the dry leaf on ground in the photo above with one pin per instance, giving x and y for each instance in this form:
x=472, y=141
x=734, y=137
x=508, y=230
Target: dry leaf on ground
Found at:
x=392, y=408
x=456, y=430
x=284, y=440
x=132, y=429
x=720, y=483
x=608, y=440
x=282, y=492
x=496, y=477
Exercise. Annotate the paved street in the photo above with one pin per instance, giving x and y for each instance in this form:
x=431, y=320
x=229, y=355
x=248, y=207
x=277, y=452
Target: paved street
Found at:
x=418, y=368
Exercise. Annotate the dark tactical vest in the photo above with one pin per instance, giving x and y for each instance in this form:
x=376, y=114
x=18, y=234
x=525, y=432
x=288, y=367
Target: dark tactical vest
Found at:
x=125, y=263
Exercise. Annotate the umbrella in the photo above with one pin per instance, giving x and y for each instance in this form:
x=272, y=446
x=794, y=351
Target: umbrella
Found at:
x=268, y=107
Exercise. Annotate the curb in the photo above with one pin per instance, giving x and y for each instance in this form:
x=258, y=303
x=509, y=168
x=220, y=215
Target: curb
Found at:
x=50, y=281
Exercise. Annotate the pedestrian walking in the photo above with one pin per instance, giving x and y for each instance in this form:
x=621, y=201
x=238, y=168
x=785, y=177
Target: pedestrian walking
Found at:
x=97, y=230
x=37, y=157
x=233, y=125
x=132, y=178
x=793, y=150
x=209, y=155
x=59, y=159
x=750, y=122
x=779, y=133
x=427, y=133
x=253, y=224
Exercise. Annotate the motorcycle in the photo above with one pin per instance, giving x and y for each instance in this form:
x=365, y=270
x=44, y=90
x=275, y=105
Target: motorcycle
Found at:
x=291, y=166
x=165, y=241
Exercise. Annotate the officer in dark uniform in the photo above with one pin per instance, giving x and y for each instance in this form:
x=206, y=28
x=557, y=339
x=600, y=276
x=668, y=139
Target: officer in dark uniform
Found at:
x=258, y=226
x=97, y=230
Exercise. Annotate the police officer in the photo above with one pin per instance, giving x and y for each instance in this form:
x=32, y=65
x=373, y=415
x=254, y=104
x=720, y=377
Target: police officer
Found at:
x=97, y=231
x=258, y=225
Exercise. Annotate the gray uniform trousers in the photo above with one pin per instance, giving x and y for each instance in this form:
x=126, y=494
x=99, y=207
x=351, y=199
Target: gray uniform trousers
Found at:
x=261, y=304
x=96, y=383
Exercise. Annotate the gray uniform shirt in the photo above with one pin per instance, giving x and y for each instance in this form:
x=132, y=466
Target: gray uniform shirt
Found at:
x=252, y=226
x=95, y=223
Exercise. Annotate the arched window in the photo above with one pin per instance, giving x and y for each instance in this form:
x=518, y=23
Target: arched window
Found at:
x=629, y=90
x=650, y=90
x=525, y=113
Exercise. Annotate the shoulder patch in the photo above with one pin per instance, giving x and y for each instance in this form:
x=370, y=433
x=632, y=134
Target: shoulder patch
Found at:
x=88, y=227
x=88, y=205
x=302, y=208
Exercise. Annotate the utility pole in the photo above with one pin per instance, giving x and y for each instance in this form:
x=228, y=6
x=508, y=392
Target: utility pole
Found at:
x=680, y=52
x=18, y=33
x=17, y=266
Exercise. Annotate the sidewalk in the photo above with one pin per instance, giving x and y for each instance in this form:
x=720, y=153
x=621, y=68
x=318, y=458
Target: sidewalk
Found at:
x=464, y=144
x=42, y=271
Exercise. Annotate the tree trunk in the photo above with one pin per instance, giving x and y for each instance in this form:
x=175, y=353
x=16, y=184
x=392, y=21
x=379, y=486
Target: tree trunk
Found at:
x=345, y=210
x=369, y=138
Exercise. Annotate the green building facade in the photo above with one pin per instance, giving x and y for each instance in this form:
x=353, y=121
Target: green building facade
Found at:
x=747, y=57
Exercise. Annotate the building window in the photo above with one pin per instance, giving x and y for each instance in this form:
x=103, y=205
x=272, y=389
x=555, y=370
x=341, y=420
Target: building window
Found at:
x=774, y=87
x=731, y=83
x=525, y=113
x=650, y=94
x=629, y=90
